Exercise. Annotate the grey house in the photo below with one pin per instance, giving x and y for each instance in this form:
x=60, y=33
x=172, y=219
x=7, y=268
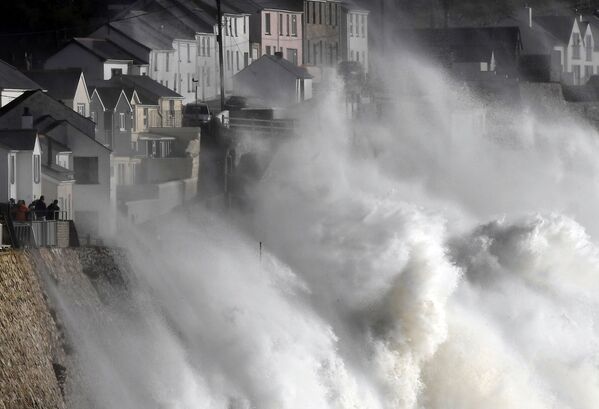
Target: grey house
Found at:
x=113, y=115
x=275, y=80
x=13, y=83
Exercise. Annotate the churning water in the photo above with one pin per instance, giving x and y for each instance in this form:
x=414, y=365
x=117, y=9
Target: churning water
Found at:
x=427, y=259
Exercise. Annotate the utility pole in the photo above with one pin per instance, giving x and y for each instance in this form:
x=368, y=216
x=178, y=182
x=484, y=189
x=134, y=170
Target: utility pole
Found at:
x=221, y=55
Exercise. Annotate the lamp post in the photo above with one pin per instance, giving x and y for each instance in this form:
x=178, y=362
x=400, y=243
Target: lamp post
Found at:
x=221, y=55
x=196, y=88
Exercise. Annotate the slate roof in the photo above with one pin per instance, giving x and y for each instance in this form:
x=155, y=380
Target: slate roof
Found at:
x=42, y=107
x=18, y=139
x=148, y=90
x=109, y=96
x=12, y=78
x=559, y=26
x=60, y=84
x=105, y=49
x=298, y=72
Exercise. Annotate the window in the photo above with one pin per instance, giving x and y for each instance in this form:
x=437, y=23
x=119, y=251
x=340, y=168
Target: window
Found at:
x=208, y=76
x=86, y=170
x=116, y=71
x=167, y=62
x=37, y=168
x=313, y=13
x=307, y=51
x=175, y=83
x=588, y=71
x=229, y=60
x=588, y=43
x=235, y=22
x=351, y=25
x=267, y=23
x=81, y=109
x=287, y=25
x=145, y=118
x=188, y=82
x=155, y=62
x=280, y=24
x=336, y=14
x=576, y=46
x=244, y=25
x=576, y=72
x=320, y=13
x=188, y=52
x=237, y=58
x=329, y=22
x=294, y=26
x=363, y=26
x=121, y=174
x=12, y=169
x=351, y=55
x=246, y=59
x=268, y=50
x=93, y=116
x=292, y=55
x=122, y=121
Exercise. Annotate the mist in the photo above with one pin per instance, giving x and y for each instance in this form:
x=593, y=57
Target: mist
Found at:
x=417, y=260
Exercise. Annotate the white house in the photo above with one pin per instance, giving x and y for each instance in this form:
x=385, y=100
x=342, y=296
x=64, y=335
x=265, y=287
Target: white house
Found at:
x=20, y=165
x=99, y=59
x=67, y=86
x=354, y=35
x=178, y=39
x=93, y=194
x=275, y=80
x=13, y=83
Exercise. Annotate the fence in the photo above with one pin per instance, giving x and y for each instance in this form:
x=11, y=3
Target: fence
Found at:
x=263, y=126
x=43, y=233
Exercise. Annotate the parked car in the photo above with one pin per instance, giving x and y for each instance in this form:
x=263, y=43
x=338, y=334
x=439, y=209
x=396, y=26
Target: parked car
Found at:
x=196, y=114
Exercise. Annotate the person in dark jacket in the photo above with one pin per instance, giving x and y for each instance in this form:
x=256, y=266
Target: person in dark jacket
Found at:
x=40, y=208
x=53, y=210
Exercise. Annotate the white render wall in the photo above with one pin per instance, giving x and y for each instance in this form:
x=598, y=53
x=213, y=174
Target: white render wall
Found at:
x=124, y=66
x=236, y=44
x=8, y=95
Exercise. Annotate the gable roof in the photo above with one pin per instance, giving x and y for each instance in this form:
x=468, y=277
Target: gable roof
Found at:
x=41, y=106
x=105, y=49
x=148, y=90
x=12, y=78
x=109, y=96
x=253, y=6
x=60, y=84
x=18, y=139
x=298, y=72
x=558, y=26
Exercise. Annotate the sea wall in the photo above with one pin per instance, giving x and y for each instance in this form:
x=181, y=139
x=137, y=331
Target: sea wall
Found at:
x=38, y=362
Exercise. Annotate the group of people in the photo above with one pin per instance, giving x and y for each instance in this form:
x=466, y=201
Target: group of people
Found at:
x=37, y=210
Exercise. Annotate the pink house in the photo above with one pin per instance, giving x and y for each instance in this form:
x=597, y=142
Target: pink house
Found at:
x=278, y=30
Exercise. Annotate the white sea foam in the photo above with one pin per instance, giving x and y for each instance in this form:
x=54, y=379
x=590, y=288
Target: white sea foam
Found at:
x=406, y=265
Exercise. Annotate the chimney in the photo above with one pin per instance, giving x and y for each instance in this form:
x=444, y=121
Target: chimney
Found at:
x=26, y=119
x=279, y=55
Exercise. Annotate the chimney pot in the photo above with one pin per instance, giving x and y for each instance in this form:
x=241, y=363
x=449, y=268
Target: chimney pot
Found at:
x=279, y=55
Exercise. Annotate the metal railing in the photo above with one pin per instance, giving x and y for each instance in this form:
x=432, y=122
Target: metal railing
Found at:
x=37, y=233
x=263, y=126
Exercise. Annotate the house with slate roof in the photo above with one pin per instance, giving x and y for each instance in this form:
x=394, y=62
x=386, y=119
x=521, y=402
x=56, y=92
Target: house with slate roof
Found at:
x=20, y=165
x=67, y=86
x=100, y=59
x=69, y=148
x=178, y=39
x=13, y=83
x=275, y=80
x=115, y=122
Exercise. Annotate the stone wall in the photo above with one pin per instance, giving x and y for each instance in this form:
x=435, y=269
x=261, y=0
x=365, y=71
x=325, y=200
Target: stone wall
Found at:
x=38, y=361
